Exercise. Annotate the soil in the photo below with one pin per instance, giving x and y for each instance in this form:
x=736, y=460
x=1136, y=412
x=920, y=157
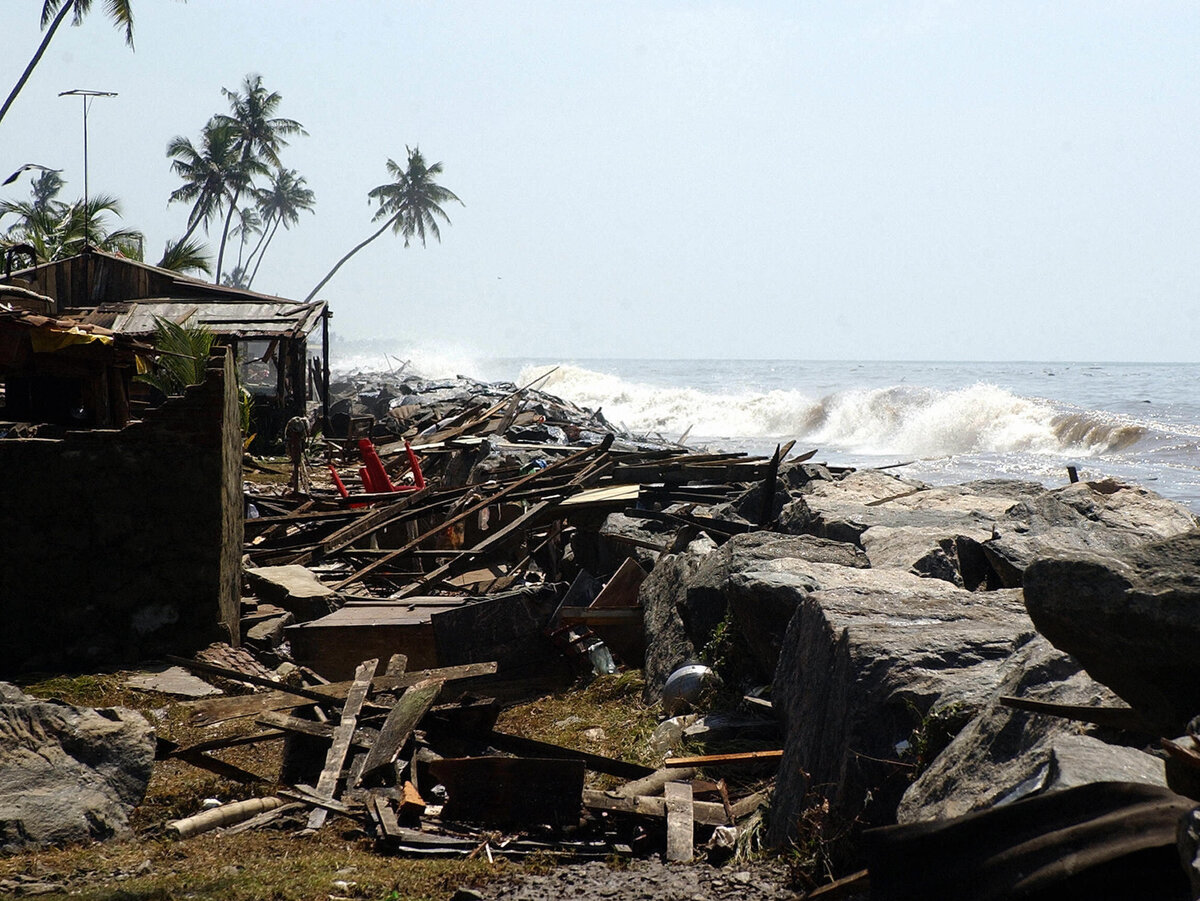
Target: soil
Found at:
x=645, y=879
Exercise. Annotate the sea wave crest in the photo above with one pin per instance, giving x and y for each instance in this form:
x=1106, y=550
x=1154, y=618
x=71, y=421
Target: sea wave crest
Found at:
x=918, y=421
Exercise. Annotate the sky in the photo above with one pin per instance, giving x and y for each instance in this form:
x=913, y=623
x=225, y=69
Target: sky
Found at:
x=924, y=180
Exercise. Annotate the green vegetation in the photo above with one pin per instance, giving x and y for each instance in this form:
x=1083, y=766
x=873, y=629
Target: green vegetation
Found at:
x=185, y=350
x=57, y=230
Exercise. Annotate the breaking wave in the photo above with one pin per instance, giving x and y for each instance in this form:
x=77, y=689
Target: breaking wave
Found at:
x=919, y=421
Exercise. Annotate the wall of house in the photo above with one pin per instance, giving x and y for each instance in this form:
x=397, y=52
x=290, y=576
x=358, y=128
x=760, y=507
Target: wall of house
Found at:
x=119, y=546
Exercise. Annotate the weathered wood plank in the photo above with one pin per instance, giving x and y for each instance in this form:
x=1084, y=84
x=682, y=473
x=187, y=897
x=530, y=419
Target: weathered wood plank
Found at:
x=327, y=782
x=400, y=722
x=207, y=711
x=680, y=821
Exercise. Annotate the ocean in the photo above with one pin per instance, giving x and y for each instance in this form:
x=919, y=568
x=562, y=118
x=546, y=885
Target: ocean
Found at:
x=947, y=422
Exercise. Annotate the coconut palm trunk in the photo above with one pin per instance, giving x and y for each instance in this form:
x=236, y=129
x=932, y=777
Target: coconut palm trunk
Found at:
x=338, y=265
x=58, y=20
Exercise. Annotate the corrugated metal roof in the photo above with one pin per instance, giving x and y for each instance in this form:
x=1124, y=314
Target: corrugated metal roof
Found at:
x=240, y=319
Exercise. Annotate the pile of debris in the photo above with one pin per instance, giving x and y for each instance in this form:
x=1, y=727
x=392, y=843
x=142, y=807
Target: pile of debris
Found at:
x=457, y=532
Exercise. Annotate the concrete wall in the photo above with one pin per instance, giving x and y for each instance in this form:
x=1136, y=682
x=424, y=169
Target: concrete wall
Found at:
x=122, y=545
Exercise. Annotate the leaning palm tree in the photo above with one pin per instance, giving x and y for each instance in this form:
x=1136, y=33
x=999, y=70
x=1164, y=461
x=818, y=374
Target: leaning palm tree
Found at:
x=280, y=204
x=410, y=205
x=53, y=14
x=259, y=135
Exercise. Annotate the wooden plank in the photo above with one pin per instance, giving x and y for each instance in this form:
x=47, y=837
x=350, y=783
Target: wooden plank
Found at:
x=378, y=518
x=715, y=759
x=203, y=761
x=311, y=728
x=476, y=507
x=207, y=711
x=680, y=822
x=327, y=782
x=591, y=616
x=489, y=544
x=652, y=784
x=706, y=813
x=200, y=666
x=622, y=589
x=529, y=747
x=400, y=722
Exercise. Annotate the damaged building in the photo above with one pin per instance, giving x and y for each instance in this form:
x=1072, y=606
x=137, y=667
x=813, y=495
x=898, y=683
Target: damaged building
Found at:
x=122, y=533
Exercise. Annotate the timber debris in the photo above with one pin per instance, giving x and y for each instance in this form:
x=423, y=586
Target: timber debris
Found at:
x=449, y=554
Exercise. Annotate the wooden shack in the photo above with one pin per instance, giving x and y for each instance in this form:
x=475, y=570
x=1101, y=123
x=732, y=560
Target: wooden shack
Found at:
x=269, y=335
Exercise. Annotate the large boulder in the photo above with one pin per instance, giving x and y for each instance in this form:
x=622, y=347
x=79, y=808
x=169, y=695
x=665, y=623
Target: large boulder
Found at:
x=668, y=645
x=1105, y=518
x=761, y=621
x=68, y=774
x=867, y=654
x=1005, y=754
x=849, y=507
x=1133, y=622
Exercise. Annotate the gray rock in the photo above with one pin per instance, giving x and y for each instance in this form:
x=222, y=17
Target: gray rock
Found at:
x=294, y=588
x=866, y=655
x=798, y=477
x=1005, y=754
x=845, y=509
x=930, y=551
x=1133, y=622
x=1104, y=518
x=269, y=632
x=68, y=774
x=667, y=643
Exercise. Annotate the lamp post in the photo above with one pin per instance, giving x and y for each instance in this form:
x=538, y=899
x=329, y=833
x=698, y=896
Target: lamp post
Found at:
x=87, y=213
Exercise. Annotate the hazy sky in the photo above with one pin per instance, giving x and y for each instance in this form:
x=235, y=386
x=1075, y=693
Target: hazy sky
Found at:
x=904, y=180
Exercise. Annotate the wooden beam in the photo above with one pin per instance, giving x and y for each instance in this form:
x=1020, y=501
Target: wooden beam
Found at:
x=207, y=711
x=328, y=780
x=400, y=722
x=716, y=759
x=475, y=508
x=680, y=822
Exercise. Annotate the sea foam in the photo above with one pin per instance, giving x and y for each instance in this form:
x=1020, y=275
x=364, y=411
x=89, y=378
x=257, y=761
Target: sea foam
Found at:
x=918, y=421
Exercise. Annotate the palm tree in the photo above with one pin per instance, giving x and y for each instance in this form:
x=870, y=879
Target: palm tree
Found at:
x=280, y=204
x=208, y=172
x=185, y=355
x=259, y=135
x=57, y=230
x=185, y=256
x=410, y=205
x=249, y=223
x=54, y=12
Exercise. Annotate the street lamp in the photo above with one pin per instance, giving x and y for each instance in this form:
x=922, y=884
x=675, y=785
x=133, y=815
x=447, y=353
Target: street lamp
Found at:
x=87, y=97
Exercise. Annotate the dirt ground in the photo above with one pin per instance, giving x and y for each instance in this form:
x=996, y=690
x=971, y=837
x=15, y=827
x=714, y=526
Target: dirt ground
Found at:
x=645, y=879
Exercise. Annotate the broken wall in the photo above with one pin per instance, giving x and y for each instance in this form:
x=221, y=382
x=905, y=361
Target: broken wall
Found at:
x=122, y=545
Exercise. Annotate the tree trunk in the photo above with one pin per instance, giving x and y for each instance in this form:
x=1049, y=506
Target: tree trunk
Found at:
x=261, y=250
x=224, y=235
x=338, y=264
x=62, y=14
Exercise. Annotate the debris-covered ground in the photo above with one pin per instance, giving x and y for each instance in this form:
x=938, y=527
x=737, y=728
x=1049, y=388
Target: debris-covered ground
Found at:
x=491, y=646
